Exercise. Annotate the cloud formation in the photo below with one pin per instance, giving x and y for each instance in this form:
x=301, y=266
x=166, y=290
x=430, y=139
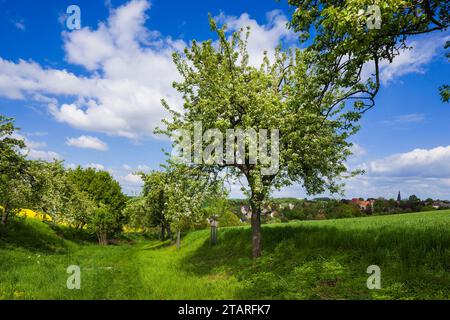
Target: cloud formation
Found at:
x=87, y=142
x=426, y=163
x=420, y=51
x=129, y=69
x=413, y=59
x=96, y=166
x=33, y=149
x=423, y=172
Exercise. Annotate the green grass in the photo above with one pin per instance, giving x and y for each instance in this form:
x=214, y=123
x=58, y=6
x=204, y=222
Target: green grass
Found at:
x=301, y=260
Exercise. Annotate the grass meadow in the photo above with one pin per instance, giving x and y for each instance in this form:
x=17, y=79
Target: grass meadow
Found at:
x=301, y=260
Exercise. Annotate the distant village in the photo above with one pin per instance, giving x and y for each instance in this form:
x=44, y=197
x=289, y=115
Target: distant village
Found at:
x=285, y=209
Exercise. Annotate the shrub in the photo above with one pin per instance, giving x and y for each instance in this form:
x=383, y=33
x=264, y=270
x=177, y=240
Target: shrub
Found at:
x=103, y=222
x=229, y=219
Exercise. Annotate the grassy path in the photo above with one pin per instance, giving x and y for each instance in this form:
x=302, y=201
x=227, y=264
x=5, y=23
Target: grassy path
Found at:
x=164, y=271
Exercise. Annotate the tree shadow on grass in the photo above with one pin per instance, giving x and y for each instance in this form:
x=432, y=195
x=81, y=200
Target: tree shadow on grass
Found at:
x=157, y=244
x=78, y=236
x=306, y=261
x=31, y=235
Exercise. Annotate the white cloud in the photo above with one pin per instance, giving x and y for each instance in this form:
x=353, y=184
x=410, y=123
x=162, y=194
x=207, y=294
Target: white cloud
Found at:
x=358, y=150
x=33, y=149
x=132, y=179
x=71, y=165
x=407, y=118
x=427, y=163
x=420, y=52
x=423, y=172
x=29, y=143
x=131, y=184
x=129, y=70
x=413, y=60
x=143, y=167
x=96, y=166
x=42, y=155
x=23, y=79
x=87, y=142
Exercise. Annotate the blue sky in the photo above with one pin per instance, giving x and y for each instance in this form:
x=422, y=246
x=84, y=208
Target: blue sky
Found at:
x=91, y=96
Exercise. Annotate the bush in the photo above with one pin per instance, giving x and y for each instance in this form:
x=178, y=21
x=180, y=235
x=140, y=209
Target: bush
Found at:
x=103, y=222
x=296, y=213
x=229, y=219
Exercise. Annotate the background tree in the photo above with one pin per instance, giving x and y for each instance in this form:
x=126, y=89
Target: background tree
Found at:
x=223, y=91
x=101, y=188
x=15, y=175
x=102, y=222
x=78, y=208
x=50, y=190
x=186, y=190
x=136, y=214
x=217, y=205
x=154, y=197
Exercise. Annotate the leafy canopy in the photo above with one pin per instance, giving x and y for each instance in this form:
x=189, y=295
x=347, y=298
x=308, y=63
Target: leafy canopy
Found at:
x=285, y=92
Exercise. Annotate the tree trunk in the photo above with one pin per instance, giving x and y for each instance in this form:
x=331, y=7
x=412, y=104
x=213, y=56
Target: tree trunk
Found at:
x=256, y=226
x=102, y=238
x=213, y=236
x=5, y=215
x=169, y=232
x=163, y=232
x=4, y=218
x=178, y=239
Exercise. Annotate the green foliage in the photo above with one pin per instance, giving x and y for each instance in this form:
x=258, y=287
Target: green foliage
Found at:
x=102, y=222
x=15, y=177
x=50, y=188
x=229, y=219
x=153, y=203
x=284, y=95
x=77, y=197
x=101, y=187
x=78, y=208
x=186, y=191
x=413, y=204
x=444, y=91
x=136, y=214
x=218, y=206
x=173, y=197
x=337, y=209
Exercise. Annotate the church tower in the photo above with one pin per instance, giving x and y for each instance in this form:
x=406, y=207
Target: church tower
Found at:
x=399, y=197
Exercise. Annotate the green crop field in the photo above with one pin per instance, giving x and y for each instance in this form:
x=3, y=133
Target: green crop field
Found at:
x=301, y=260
